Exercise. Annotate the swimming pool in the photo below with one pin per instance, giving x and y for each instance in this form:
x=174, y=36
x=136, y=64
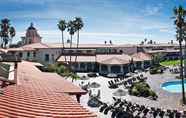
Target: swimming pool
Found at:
x=173, y=86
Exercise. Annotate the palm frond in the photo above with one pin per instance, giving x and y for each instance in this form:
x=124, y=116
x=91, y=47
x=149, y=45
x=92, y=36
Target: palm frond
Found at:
x=62, y=25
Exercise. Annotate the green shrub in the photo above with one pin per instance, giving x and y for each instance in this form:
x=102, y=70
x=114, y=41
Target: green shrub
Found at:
x=142, y=89
x=51, y=68
x=135, y=92
x=156, y=69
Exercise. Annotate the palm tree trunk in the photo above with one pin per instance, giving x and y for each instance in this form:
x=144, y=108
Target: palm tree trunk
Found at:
x=70, y=52
x=185, y=60
x=77, y=44
x=10, y=42
x=181, y=71
x=63, y=46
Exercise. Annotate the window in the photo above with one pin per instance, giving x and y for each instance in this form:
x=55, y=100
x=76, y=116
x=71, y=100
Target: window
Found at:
x=21, y=54
x=28, y=54
x=34, y=54
x=46, y=57
x=52, y=57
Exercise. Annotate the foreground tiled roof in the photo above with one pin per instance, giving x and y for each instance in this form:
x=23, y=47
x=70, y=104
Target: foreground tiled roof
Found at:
x=40, y=95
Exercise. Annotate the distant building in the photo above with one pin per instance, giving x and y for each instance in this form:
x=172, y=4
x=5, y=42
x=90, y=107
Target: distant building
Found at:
x=102, y=58
x=31, y=36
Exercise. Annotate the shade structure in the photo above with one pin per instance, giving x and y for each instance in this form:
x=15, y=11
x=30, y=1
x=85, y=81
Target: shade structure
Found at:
x=138, y=71
x=94, y=85
x=120, y=93
x=84, y=78
x=129, y=74
x=112, y=75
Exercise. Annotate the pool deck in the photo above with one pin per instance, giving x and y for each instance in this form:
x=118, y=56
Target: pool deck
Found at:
x=166, y=100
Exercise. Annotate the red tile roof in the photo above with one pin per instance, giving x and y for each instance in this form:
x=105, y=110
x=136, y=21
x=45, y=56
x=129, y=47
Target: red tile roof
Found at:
x=142, y=56
x=112, y=59
x=39, y=94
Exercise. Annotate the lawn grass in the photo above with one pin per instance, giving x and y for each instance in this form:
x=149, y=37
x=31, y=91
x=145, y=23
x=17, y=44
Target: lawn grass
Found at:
x=170, y=63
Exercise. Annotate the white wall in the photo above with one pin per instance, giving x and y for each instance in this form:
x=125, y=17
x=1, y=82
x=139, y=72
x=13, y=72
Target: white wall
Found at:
x=40, y=55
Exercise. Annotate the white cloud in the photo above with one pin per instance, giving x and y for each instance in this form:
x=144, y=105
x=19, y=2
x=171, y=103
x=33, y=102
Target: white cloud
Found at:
x=152, y=10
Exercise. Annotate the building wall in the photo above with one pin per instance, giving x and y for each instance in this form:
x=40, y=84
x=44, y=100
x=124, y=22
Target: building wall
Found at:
x=53, y=54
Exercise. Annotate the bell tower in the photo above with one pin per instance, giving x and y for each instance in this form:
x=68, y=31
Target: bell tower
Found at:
x=31, y=36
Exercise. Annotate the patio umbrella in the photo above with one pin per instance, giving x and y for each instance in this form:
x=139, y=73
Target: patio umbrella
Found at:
x=112, y=75
x=138, y=71
x=120, y=93
x=129, y=74
x=84, y=78
x=94, y=85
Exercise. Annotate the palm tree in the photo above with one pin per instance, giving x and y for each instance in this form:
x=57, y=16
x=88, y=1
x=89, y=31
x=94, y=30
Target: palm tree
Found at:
x=105, y=42
x=7, y=32
x=179, y=21
x=12, y=33
x=110, y=42
x=71, y=29
x=145, y=40
x=131, y=63
x=78, y=24
x=62, y=26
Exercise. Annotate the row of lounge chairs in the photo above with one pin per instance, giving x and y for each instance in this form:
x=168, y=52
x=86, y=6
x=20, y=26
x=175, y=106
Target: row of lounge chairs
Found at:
x=125, y=109
x=174, y=70
x=127, y=82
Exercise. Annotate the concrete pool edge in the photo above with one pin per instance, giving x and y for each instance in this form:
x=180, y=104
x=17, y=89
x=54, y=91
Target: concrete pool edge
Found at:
x=163, y=86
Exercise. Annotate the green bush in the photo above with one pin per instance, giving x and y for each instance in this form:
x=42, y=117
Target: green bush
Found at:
x=61, y=70
x=135, y=92
x=156, y=69
x=142, y=89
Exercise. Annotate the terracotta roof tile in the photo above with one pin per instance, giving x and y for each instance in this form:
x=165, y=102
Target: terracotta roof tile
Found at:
x=42, y=95
x=113, y=59
x=142, y=56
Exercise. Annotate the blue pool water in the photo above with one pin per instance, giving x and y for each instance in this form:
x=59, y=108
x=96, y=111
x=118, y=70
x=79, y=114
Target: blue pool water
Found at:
x=173, y=86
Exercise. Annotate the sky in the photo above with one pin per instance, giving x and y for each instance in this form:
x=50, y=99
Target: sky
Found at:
x=122, y=21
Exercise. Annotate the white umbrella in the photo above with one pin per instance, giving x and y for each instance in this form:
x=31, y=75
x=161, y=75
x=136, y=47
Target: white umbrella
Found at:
x=120, y=93
x=130, y=74
x=84, y=78
x=112, y=75
x=94, y=85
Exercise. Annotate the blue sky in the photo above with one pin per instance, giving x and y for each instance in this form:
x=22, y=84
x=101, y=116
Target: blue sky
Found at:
x=122, y=21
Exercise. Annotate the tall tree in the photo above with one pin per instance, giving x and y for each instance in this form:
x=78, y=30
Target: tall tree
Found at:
x=71, y=29
x=7, y=32
x=179, y=22
x=62, y=25
x=110, y=42
x=78, y=24
x=145, y=40
x=12, y=34
x=105, y=42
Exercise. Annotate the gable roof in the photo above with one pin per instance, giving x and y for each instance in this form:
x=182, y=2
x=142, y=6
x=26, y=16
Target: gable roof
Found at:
x=113, y=59
x=142, y=56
